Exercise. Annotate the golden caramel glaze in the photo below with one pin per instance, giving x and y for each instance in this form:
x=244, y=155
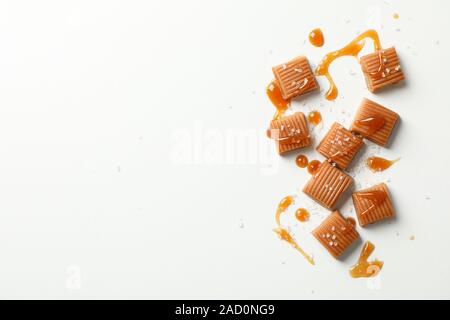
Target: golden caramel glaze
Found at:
x=282, y=207
x=363, y=268
x=314, y=117
x=286, y=236
x=283, y=233
x=371, y=124
x=274, y=93
x=378, y=164
x=301, y=161
x=313, y=166
x=316, y=38
x=302, y=215
x=376, y=198
x=351, y=49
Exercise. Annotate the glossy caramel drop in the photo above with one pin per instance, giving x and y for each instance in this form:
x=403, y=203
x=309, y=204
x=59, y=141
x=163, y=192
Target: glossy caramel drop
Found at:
x=371, y=124
x=314, y=117
x=313, y=166
x=377, y=164
x=274, y=93
x=351, y=49
x=316, y=38
x=302, y=215
x=363, y=268
x=301, y=161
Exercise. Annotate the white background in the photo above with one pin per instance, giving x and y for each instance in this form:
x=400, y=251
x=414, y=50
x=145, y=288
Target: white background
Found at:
x=95, y=203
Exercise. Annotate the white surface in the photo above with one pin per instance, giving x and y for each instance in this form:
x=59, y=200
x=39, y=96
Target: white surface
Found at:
x=95, y=203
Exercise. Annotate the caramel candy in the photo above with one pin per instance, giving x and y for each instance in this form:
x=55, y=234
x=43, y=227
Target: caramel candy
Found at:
x=340, y=145
x=374, y=122
x=290, y=133
x=373, y=204
x=381, y=69
x=336, y=233
x=328, y=185
x=295, y=77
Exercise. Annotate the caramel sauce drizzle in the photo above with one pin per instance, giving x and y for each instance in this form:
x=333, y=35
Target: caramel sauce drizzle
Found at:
x=376, y=197
x=285, y=203
x=364, y=268
x=274, y=93
x=372, y=124
x=316, y=38
x=283, y=233
x=378, y=164
x=301, y=161
x=351, y=49
x=314, y=117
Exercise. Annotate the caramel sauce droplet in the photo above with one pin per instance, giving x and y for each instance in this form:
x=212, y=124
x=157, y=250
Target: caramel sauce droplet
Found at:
x=316, y=38
x=378, y=164
x=351, y=49
x=314, y=117
x=283, y=233
x=371, y=124
x=363, y=268
x=302, y=215
x=313, y=166
x=301, y=161
x=274, y=93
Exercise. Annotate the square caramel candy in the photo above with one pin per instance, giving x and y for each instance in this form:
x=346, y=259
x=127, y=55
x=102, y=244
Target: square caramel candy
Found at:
x=336, y=233
x=328, y=185
x=295, y=77
x=374, y=122
x=290, y=133
x=340, y=145
x=381, y=69
x=373, y=204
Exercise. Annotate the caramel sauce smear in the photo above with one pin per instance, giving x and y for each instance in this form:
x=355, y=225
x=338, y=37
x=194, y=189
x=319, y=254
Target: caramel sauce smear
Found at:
x=283, y=233
x=351, y=49
x=378, y=164
x=364, y=268
x=274, y=93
